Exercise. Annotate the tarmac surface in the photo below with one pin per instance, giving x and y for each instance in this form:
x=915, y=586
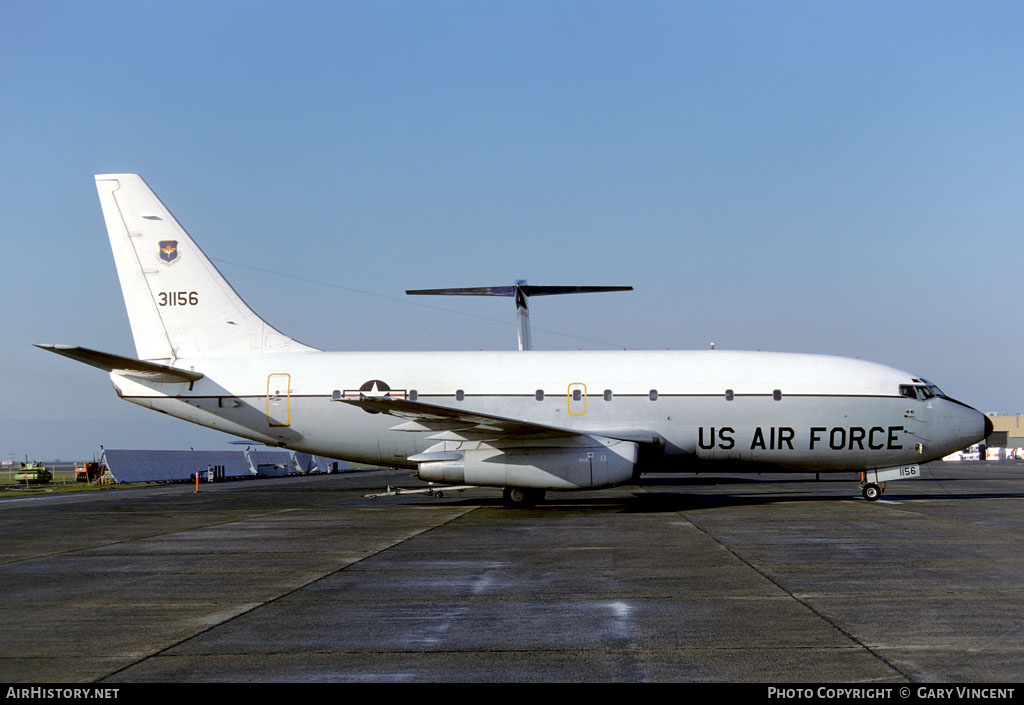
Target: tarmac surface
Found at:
x=683, y=578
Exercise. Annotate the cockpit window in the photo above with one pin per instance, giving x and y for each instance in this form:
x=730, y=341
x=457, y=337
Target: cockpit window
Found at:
x=934, y=389
x=919, y=391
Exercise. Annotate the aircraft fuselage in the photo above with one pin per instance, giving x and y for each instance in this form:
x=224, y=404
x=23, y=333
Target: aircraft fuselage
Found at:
x=525, y=421
x=790, y=411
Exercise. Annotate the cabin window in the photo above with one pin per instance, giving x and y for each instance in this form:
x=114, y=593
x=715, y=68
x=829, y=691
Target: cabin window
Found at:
x=413, y=395
x=607, y=395
x=459, y=395
x=539, y=395
x=577, y=395
x=777, y=395
x=729, y=395
x=654, y=395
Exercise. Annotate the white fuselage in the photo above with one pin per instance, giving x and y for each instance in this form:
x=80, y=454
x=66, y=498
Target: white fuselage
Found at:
x=788, y=411
x=529, y=419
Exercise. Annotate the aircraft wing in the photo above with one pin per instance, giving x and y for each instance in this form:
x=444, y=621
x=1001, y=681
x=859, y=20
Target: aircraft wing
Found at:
x=127, y=366
x=454, y=424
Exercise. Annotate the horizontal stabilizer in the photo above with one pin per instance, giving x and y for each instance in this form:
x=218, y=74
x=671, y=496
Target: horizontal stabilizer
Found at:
x=126, y=366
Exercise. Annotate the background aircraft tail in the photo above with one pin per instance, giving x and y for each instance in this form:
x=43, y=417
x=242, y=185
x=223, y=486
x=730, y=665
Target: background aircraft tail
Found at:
x=521, y=291
x=178, y=304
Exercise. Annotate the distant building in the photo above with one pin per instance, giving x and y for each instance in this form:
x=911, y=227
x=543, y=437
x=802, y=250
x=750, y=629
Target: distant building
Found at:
x=1007, y=431
x=182, y=465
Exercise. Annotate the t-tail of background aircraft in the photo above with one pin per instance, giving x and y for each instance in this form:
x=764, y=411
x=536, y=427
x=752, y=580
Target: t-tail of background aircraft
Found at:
x=525, y=423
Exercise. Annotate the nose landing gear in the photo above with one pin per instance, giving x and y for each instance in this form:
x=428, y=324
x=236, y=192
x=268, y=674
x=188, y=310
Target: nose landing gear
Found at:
x=872, y=482
x=871, y=491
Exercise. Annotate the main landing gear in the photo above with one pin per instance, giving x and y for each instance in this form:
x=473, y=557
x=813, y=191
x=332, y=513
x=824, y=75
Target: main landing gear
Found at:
x=522, y=497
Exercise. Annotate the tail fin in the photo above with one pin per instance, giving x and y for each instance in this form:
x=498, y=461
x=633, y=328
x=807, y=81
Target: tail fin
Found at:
x=178, y=304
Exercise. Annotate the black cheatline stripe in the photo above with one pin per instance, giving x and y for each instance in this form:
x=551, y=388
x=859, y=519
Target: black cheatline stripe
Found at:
x=553, y=395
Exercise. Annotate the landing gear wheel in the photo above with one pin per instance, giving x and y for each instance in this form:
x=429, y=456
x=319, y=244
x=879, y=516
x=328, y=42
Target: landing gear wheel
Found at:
x=521, y=497
x=871, y=491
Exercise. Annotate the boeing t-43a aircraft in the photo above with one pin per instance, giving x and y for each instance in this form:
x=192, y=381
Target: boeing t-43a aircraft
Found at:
x=525, y=422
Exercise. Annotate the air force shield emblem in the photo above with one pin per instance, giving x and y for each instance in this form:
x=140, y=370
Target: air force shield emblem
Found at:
x=168, y=251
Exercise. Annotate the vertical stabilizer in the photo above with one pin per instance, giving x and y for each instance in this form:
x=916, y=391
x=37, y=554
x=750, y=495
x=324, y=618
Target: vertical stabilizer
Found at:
x=178, y=304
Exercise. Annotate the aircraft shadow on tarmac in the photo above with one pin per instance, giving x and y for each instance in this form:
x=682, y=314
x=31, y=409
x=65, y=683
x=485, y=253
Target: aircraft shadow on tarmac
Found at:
x=647, y=502
x=656, y=496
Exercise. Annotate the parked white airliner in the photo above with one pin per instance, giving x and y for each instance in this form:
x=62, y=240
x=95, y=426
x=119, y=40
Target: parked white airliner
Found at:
x=522, y=421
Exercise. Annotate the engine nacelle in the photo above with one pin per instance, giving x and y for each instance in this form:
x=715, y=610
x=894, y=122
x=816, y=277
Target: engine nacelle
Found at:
x=581, y=462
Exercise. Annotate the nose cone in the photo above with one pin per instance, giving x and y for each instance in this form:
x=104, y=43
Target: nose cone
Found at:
x=975, y=427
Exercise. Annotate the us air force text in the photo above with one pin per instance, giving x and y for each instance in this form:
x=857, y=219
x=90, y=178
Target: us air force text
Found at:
x=817, y=437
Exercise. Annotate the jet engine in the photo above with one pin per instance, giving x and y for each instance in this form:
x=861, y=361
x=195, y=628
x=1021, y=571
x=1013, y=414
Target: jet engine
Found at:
x=577, y=462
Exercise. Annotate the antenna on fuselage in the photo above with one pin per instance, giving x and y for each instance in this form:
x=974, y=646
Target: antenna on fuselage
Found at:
x=522, y=292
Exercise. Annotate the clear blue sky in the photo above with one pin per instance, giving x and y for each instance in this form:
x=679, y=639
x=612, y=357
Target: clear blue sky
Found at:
x=832, y=177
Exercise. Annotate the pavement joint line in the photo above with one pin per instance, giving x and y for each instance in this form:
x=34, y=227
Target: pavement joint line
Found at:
x=474, y=650
x=285, y=594
x=794, y=597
